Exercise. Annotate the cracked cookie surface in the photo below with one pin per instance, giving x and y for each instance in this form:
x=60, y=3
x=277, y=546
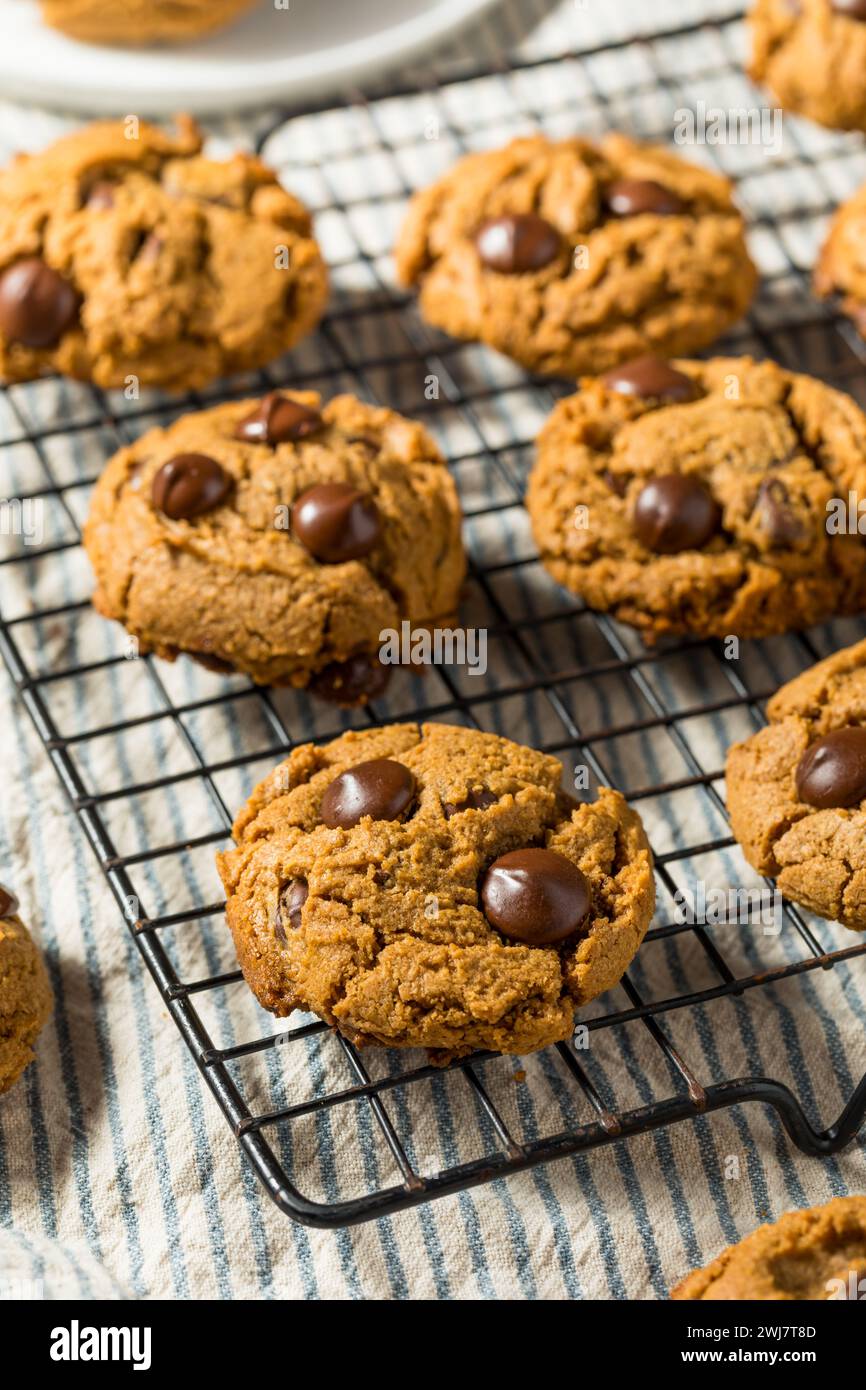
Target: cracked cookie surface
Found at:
x=141, y=22
x=806, y=1255
x=140, y=258
x=215, y=558
x=812, y=54
x=619, y=248
x=387, y=937
x=763, y=451
x=25, y=994
x=816, y=853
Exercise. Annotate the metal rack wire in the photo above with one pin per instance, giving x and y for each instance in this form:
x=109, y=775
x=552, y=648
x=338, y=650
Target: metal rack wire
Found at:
x=550, y=655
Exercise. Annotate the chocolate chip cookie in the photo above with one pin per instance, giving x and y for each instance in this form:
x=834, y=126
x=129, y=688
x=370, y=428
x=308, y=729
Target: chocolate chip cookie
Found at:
x=812, y=55
x=841, y=267
x=434, y=887
x=25, y=994
x=692, y=497
x=797, y=789
x=126, y=255
x=572, y=257
x=141, y=22
x=812, y=1255
x=279, y=537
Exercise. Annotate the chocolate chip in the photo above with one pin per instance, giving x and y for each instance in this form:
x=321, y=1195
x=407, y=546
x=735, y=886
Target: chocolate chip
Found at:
x=650, y=378
x=335, y=522
x=536, y=896
x=628, y=197
x=779, y=521
x=675, y=513
x=277, y=420
x=476, y=800
x=36, y=304
x=8, y=902
x=188, y=485
x=357, y=680
x=100, y=196
x=292, y=898
x=516, y=243
x=832, y=772
x=853, y=9
x=381, y=788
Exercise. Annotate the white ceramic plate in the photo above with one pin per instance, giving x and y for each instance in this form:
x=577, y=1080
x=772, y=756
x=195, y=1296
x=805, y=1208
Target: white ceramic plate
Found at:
x=279, y=56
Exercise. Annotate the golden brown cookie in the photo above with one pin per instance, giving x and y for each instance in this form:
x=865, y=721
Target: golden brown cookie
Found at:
x=812, y=55
x=841, y=267
x=433, y=887
x=25, y=994
x=691, y=497
x=141, y=22
x=125, y=253
x=571, y=257
x=810, y=1255
x=797, y=789
x=279, y=537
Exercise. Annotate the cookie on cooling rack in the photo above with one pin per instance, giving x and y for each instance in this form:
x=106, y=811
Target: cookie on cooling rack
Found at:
x=797, y=789
x=124, y=253
x=692, y=497
x=141, y=22
x=841, y=267
x=433, y=887
x=813, y=1255
x=812, y=55
x=25, y=994
x=279, y=537
x=572, y=257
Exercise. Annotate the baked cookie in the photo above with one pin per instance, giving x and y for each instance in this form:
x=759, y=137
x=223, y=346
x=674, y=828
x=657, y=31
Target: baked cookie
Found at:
x=797, y=789
x=812, y=55
x=279, y=537
x=434, y=887
x=692, y=497
x=25, y=994
x=572, y=257
x=810, y=1255
x=141, y=22
x=124, y=253
x=841, y=267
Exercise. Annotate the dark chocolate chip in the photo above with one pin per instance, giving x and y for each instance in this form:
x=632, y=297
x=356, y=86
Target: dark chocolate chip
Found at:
x=476, y=800
x=516, y=243
x=674, y=513
x=292, y=898
x=832, y=772
x=381, y=788
x=37, y=305
x=188, y=485
x=8, y=902
x=357, y=680
x=779, y=521
x=335, y=522
x=852, y=9
x=536, y=896
x=628, y=197
x=277, y=419
x=650, y=378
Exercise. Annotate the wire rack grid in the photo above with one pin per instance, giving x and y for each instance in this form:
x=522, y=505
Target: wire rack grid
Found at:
x=155, y=776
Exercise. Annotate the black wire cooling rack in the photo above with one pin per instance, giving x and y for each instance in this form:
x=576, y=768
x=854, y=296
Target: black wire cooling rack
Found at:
x=546, y=661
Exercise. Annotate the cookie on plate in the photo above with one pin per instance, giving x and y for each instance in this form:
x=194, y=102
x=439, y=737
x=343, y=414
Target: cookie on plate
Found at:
x=797, y=789
x=141, y=22
x=279, y=537
x=691, y=497
x=841, y=267
x=810, y=1255
x=812, y=54
x=572, y=257
x=433, y=887
x=126, y=254
x=25, y=994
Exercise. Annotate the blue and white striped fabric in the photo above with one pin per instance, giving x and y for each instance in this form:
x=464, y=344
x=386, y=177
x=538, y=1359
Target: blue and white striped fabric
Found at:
x=118, y=1176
